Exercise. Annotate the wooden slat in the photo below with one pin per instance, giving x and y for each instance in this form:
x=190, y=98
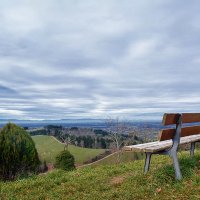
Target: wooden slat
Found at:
x=170, y=118
x=168, y=134
x=190, y=130
x=190, y=117
x=158, y=146
x=168, y=144
x=142, y=147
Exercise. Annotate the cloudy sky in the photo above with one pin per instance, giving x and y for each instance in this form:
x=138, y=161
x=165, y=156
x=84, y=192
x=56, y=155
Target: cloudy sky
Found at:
x=93, y=59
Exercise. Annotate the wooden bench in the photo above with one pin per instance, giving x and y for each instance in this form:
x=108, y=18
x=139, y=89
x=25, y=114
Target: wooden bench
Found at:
x=170, y=139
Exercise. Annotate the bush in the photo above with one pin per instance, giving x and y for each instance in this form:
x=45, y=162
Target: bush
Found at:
x=18, y=155
x=65, y=161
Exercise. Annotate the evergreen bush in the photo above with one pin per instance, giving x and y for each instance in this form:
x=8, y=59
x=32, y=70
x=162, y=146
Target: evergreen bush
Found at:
x=18, y=155
x=65, y=161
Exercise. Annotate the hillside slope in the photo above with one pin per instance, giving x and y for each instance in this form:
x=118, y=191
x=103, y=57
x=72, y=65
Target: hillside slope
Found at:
x=125, y=181
x=124, y=157
x=113, y=158
x=48, y=147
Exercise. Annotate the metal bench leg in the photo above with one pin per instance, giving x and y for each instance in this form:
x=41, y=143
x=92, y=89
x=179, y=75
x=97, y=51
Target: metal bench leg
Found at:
x=147, y=162
x=176, y=166
x=192, y=148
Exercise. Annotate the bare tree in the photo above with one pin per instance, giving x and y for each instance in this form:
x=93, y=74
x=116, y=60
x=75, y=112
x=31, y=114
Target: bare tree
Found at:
x=116, y=129
x=66, y=138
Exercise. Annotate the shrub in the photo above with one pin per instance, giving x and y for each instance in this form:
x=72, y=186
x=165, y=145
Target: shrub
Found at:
x=18, y=155
x=65, y=161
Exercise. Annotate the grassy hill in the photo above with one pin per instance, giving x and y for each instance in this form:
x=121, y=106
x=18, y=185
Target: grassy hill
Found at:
x=48, y=147
x=124, y=181
x=112, y=158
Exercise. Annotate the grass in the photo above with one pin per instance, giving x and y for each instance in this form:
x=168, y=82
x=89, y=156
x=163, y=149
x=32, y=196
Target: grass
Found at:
x=124, y=158
x=48, y=147
x=123, y=181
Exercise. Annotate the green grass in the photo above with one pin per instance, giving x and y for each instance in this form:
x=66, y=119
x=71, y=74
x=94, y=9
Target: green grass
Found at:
x=48, y=147
x=124, y=158
x=111, y=182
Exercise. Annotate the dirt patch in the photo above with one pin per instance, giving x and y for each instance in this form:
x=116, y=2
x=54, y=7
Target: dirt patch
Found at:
x=50, y=167
x=118, y=180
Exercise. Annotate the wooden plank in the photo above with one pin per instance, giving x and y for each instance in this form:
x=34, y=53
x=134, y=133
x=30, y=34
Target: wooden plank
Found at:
x=168, y=134
x=190, y=117
x=184, y=140
x=170, y=118
x=158, y=146
x=189, y=139
x=144, y=144
x=150, y=145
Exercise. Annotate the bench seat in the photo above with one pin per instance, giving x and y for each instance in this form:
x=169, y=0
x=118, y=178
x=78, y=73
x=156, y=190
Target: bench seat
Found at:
x=154, y=147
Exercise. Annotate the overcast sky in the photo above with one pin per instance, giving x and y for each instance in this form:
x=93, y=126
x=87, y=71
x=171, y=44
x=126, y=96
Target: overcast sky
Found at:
x=93, y=59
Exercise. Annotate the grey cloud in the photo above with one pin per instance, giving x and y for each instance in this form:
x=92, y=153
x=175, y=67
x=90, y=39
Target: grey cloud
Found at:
x=5, y=90
x=97, y=58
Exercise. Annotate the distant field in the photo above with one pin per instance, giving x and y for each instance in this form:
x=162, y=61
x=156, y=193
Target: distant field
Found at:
x=48, y=147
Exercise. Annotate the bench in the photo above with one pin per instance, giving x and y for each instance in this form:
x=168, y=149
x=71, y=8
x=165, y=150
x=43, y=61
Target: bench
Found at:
x=169, y=139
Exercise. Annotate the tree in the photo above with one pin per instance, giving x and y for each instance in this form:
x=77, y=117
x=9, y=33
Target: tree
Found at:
x=103, y=143
x=66, y=138
x=116, y=129
x=65, y=160
x=18, y=155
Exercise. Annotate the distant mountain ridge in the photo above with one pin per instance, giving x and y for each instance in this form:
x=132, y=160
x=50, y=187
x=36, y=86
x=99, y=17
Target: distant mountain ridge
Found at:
x=89, y=123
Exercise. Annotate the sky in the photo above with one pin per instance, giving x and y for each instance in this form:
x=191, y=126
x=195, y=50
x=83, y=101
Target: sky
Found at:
x=63, y=59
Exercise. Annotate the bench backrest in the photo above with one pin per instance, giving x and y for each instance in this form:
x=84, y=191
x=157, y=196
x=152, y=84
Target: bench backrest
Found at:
x=177, y=119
